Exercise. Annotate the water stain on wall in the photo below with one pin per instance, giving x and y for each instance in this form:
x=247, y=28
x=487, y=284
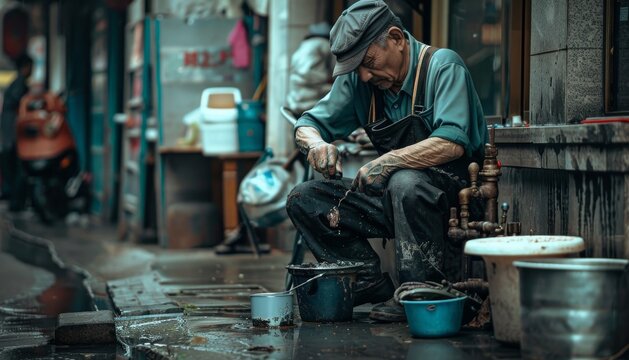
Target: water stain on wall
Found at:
x=579, y=203
x=597, y=199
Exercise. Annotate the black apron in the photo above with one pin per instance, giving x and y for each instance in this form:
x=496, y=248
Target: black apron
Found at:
x=386, y=135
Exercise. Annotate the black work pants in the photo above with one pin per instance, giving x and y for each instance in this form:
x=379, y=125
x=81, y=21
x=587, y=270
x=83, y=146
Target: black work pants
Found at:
x=413, y=210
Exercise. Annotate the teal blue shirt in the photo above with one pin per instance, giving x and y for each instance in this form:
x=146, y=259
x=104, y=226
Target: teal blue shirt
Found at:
x=453, y=110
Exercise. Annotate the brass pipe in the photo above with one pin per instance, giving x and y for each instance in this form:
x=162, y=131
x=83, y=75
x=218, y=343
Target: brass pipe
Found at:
x=485, y=227
x=489, y=191
x=490, y=175
x=466, y=195
x=460, y=228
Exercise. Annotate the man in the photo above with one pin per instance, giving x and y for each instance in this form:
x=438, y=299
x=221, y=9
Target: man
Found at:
x=310, y=70
x=13, y=182
x=405, y=193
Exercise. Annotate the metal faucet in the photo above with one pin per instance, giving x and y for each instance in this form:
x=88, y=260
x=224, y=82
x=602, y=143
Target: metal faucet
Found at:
x=460, y=227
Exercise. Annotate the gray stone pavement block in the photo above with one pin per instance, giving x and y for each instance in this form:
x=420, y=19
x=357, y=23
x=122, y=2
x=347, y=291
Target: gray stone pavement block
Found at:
x=83, y=328
x=167, y=308
x=140, y=295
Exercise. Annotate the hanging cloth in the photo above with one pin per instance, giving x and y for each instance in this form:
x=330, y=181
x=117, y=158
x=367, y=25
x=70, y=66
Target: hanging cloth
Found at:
x=241, y=51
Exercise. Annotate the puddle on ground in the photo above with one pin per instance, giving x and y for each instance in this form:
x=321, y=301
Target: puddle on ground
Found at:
x=27, y=324
x=28, y=321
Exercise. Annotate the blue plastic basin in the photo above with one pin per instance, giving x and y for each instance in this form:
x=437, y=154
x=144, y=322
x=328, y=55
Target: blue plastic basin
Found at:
x=434, y=318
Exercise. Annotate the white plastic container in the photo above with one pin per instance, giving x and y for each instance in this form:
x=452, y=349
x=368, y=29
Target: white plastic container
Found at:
x=219, y=138
x=219, y=120
x=219, y=105
x=499, y=253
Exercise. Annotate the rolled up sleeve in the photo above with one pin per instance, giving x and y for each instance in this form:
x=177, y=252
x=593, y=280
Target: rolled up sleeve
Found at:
x=334, y=115
x=452, y=109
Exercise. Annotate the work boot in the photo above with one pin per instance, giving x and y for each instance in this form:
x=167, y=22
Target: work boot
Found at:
x=388, y=311
x=375, y=292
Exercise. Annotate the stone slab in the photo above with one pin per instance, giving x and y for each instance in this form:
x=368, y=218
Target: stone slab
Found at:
x=140, y=295
x=584, y=85
x=587, y=24
x=571, y=158
x=548, y=88
x=548, y=25
x=84, y=328
x=612, y=133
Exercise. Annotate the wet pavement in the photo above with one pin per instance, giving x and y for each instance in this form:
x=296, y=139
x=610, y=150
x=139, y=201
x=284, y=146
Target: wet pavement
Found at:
x=31, y=298
x=199, y=337
x=185, y=305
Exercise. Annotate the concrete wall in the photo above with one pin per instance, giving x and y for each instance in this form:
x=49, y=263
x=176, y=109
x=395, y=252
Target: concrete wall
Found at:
x=566, y=60
x=569, y=180
x=586, y=204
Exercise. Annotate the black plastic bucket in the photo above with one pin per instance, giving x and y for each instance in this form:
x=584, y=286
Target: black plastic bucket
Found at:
x=329, y=298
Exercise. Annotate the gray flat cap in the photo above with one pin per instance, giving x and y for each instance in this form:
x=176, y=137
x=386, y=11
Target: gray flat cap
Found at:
x=356, y=28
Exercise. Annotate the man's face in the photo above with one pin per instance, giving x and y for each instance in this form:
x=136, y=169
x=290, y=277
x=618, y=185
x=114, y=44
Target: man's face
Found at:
x=383, y=66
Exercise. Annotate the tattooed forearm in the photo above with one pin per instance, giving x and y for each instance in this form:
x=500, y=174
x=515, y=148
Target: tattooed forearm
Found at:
x=430, y=152
x=373, y=176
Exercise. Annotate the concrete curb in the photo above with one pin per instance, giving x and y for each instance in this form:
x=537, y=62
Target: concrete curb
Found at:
x=42, y=254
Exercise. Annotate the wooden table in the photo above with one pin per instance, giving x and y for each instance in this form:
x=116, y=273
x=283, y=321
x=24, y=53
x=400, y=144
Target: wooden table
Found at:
x=188, y=175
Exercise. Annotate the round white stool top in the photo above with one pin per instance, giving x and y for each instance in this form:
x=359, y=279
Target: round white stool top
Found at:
x=533, y=245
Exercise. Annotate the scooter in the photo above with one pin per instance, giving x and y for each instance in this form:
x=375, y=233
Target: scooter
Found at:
x=48, y=154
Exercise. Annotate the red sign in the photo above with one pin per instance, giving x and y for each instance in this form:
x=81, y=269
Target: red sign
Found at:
x=205, y=58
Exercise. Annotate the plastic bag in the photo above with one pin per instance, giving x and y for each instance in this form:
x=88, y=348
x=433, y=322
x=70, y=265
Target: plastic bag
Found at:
x=264, y=190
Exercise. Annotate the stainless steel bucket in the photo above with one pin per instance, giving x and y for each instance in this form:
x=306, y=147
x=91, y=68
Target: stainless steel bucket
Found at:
x=574, y=308
x=272, y=309
x=499, y=253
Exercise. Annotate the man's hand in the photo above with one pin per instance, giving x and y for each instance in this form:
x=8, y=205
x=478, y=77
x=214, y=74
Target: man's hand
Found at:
x=323, y=157
x=372, y=178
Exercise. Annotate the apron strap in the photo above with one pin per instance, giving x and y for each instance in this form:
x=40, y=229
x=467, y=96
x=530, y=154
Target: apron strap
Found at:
x=372, y=108
x=376, y=106
x=423, y=75
x=419, y=69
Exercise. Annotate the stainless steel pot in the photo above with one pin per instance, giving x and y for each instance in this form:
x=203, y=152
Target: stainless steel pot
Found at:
x=272, y=309
x=574, y=308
